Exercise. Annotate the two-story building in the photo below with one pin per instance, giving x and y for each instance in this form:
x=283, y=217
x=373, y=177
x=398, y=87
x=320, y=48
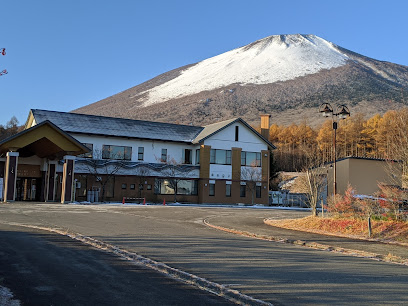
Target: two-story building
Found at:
x=68, y=157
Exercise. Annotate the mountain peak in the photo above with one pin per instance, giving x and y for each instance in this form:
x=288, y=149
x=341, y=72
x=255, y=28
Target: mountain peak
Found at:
x=285, y=75
x=268, y=60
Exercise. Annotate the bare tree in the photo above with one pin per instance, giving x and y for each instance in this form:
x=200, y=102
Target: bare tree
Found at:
x=398, y=143
x=141, y=174
x=252, y=175
x=175, y=172
x=103, y=170
x=315, y=181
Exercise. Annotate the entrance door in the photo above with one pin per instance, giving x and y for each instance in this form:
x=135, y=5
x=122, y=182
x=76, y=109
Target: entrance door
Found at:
x=28, y=189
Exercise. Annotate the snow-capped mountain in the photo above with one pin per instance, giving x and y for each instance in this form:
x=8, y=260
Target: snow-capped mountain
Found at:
x=285, y=75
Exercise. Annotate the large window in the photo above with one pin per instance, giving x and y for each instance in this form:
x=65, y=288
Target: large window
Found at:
x=252, y=159
x=221, y=157
x=167, y=186
x=116, y=152
x=140, y=153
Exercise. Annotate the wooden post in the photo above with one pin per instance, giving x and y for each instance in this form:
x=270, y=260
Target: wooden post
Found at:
x=369, y=226
x=10, y=177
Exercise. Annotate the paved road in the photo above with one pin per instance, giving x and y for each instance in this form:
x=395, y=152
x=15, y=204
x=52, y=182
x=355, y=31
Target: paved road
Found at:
x=42, y=268
x=278, y=273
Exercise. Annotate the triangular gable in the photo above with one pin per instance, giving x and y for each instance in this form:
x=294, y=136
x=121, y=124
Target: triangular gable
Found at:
x=215, y=128
x=43, y=139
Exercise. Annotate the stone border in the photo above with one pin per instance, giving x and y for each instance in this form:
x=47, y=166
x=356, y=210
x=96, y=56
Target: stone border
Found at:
x=314, y=245
x=191, y=279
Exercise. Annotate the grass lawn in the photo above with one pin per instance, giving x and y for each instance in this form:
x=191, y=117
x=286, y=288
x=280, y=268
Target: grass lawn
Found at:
x=390, y=231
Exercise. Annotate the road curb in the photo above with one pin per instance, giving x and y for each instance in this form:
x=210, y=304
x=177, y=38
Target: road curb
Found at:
x=191, y=279
x=314, y=245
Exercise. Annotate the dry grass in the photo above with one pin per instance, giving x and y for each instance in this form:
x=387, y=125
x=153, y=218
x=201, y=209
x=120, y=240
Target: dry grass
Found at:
x=390, y=231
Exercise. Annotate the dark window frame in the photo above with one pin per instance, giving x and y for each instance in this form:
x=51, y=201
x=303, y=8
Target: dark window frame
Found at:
x=163, y=155
x=211, y=189
x=125, y=155
x=140, y=153
x=242, y=191
x=213, y=157
x=228, y=190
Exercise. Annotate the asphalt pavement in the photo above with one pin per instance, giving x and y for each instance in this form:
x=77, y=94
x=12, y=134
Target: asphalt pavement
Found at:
x=278, y=273
x=42, y=268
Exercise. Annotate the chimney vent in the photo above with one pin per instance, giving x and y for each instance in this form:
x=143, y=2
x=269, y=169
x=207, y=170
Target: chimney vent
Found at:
x=265, y=126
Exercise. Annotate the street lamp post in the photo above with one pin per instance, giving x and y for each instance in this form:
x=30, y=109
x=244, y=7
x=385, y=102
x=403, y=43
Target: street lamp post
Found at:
x=341, y=112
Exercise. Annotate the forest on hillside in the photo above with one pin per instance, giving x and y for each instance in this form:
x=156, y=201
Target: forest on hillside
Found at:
x=383, y=137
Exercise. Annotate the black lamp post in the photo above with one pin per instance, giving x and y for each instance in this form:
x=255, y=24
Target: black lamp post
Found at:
x=341, y=112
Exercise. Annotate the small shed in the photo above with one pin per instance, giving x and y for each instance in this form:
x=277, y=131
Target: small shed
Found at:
x=364, y=174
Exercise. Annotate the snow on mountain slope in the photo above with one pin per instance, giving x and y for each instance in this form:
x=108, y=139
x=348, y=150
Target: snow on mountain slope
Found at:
x=274, y=58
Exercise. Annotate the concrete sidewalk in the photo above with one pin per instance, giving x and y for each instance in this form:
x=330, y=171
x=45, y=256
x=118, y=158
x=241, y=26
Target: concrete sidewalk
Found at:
x=257, y=228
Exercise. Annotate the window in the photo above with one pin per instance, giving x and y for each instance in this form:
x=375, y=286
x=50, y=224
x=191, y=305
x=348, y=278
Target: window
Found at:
x=140, y=153
x=237, y=133
x=221, y=157
x=187, y=156
x=149, y=187
x=116, y=152
x=164, y=155
x=89, y=154
x=140, y=186
x=212, y=190
x=243, y=158
x=132, y=186
x=197, y=161
x=251, y=159
x=228, y=158
x=124, y=186
x=166, y=186
x=228, y=190
x=258, y=191
x=242, y=191
x=212, y=156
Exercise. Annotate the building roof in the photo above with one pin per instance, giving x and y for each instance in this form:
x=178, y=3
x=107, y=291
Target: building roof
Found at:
x=140, y=129
x=214, y=128
x=119, y=127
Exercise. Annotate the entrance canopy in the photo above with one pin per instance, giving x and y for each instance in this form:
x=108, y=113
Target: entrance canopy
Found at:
x=43, y=140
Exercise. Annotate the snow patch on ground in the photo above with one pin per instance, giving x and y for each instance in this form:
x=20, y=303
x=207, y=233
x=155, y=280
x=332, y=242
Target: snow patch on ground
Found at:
x=272, y=59
x=6, y=298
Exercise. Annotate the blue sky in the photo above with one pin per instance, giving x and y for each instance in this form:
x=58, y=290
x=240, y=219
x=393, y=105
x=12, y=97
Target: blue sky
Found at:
x=62, y=55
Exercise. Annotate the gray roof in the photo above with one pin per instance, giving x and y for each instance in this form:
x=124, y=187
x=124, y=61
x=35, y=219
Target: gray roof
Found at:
x=119, y=127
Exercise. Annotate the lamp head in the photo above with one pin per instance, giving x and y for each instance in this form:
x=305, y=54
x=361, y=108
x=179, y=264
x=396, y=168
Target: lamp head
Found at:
x=344, y=112
x=326, y=110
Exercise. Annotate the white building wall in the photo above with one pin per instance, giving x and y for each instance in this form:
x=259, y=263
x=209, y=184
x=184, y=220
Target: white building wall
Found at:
x=152, y=148
x=225, y=140
x=247, y=140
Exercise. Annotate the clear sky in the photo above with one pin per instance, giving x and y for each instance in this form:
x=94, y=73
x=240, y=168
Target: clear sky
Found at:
x=64, y=54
